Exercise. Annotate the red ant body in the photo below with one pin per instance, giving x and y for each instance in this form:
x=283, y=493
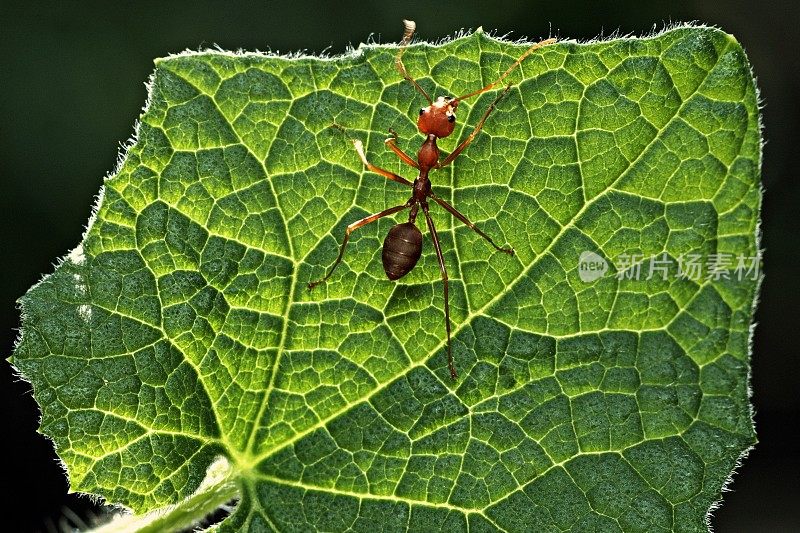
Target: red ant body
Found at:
x=403, y=245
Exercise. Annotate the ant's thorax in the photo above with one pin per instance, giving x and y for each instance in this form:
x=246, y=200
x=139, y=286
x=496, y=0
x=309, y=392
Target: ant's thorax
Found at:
x=428, y=155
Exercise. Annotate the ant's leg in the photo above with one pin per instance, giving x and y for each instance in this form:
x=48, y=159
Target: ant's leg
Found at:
x=410, y=26
x=377, y=170
x=391, y=142
x=435, y=237
x=350, y=229
x=471, y=136
x=521, y=58
x=469, y=139
x=470, y=225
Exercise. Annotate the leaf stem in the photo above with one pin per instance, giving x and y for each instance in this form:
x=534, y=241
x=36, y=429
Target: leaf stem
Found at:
x=213, y=494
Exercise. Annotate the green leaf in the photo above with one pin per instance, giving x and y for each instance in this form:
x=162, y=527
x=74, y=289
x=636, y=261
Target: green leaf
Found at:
x=181, y=330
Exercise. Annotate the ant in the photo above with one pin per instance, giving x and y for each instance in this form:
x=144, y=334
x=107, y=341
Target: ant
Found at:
x=403, y=245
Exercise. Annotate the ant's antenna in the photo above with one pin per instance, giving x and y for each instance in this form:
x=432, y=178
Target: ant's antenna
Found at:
x=410, y=26
x=528, y=52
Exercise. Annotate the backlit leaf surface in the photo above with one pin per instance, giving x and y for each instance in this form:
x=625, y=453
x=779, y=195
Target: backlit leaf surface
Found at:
x=181, y=329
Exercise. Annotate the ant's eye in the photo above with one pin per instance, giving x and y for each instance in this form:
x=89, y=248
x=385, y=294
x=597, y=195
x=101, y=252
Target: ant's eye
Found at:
x=422, y=111
x=451, y=118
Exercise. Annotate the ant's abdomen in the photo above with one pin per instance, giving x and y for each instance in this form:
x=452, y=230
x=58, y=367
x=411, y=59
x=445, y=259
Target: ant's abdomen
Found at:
x=401, y=250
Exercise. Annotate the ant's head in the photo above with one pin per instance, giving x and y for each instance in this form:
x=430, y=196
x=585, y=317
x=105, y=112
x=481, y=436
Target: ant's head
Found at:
x=439, y=118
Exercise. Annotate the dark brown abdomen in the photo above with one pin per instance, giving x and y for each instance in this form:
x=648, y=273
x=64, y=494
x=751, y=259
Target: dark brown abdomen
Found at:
x=401, y=250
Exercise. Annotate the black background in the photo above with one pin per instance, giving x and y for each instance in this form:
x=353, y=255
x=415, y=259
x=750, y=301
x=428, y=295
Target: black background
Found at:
x=72, y=85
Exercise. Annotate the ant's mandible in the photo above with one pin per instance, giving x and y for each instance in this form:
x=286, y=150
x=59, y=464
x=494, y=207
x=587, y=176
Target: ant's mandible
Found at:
x=403, y=245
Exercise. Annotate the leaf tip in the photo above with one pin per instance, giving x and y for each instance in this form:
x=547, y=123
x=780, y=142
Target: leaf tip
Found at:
x=732, y=39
